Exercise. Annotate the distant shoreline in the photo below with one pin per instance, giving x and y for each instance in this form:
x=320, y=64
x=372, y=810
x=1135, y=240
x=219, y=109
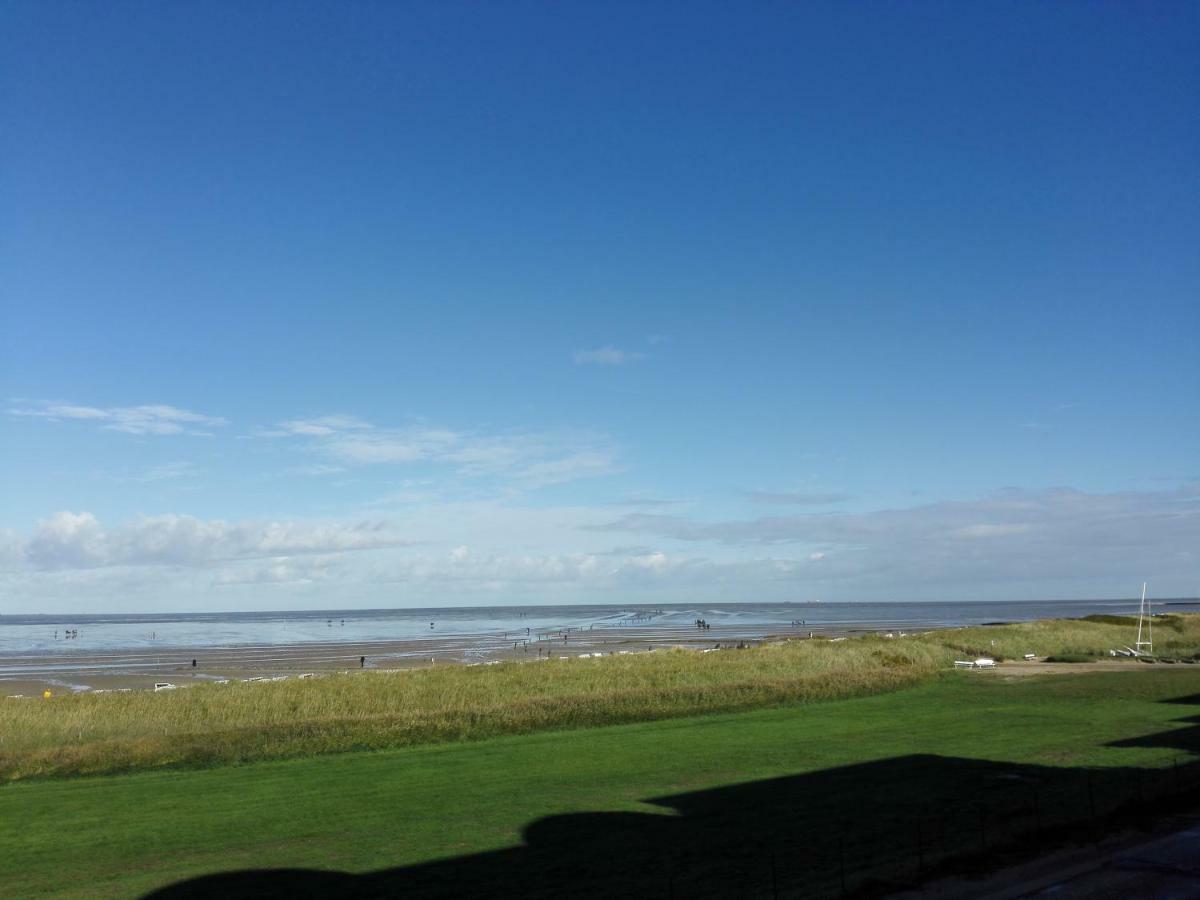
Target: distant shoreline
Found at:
x=100, y=659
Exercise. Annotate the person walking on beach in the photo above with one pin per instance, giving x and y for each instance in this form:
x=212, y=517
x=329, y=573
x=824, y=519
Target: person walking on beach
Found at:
x=193, y=664
x=362, y=662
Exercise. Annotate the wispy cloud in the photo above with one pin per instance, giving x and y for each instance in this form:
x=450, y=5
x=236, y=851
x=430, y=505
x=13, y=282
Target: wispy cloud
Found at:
x=165, y=472
x=148, y=419
x=797, y=498
x=606, y=356
x=532, y=459
x=1011, y=535
x=315, y=469
x=319, y=426
x=638, y=502
x=69, y=540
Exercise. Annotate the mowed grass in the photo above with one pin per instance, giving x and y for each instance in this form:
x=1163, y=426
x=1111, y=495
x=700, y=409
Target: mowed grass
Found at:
x=122, y=835
x=212, y=725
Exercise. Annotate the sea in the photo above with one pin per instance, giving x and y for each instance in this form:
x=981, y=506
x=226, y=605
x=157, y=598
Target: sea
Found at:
x=26, y=634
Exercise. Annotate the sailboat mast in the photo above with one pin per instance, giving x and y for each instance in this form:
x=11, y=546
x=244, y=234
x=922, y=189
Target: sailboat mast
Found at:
x=1149, y=621
x=1143, y=615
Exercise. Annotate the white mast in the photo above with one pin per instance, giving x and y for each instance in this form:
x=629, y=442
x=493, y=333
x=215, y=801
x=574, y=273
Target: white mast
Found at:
x=1144, y=613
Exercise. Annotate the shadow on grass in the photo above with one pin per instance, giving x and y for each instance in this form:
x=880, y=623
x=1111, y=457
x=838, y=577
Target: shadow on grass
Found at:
x=862, y=830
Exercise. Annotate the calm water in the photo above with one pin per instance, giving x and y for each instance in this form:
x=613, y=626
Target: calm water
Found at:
x=36, y=634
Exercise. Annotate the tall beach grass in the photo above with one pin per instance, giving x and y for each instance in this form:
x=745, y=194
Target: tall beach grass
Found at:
x=216, y=724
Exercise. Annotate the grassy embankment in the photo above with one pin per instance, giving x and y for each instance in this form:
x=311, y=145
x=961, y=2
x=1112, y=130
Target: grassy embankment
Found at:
x=887, y=785
x=219, y=724
x=1176, y=637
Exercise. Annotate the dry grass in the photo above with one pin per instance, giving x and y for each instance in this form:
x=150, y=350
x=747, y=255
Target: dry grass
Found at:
x=215, y=724
x=222, y=724
x=1174, y=636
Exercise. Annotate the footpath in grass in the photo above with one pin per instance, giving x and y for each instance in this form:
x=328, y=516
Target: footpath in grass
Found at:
x=791, y=800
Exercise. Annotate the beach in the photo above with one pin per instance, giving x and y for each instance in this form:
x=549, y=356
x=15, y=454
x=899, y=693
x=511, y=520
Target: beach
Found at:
x=104, y=653
x=141, y=669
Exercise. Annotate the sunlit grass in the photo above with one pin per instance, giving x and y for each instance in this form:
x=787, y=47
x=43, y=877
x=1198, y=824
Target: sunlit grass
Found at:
x=219, y=724
x=1174, y=636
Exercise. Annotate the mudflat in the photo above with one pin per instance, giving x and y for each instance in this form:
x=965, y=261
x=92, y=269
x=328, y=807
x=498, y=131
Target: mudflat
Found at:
x=79, y=669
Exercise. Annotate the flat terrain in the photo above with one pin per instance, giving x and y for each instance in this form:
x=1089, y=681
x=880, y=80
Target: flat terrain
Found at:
x=215, y=724
x=783, y=799
x=76, y=667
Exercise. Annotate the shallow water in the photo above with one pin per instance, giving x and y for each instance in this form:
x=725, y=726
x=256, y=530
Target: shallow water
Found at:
x=20, y=635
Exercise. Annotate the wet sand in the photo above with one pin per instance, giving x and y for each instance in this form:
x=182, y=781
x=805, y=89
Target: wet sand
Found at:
x=76, y=669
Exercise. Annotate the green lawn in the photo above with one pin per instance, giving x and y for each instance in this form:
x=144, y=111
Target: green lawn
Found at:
x=124, y=835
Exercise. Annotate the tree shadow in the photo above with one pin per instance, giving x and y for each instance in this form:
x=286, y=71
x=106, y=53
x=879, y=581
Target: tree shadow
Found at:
x=862, y=830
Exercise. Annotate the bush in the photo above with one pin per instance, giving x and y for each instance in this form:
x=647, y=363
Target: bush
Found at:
x=1128, y=621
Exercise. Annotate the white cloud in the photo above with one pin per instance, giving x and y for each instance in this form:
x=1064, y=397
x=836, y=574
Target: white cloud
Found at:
x=320, y=426
x=390, y=446
x=532, y=459
x=164, y=472
x=1014, y=544
x=989, y=530
x=572, y=467
x=277, y=573
x=1009, y=537
x=315, y=469
x=157, y=419
x=70, y=540
x=606, y=356
x=798, y=498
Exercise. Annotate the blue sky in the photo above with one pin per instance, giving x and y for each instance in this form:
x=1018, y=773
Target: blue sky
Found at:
x=317, y=305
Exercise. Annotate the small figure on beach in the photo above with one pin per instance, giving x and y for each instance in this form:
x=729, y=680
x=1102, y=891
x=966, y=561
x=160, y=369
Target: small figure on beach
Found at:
x=430, y=624
x=193, y=664
x=362, y=662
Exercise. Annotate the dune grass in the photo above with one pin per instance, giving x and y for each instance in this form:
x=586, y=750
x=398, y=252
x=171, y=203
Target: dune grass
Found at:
x=211, y=725
x=1175, y=636
x=214, y=724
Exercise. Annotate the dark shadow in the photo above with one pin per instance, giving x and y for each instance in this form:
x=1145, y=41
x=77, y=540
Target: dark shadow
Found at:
x=1189, y=700
x=859, y=830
